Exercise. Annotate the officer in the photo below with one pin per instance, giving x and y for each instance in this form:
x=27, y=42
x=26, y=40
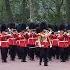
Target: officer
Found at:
x=12, y=49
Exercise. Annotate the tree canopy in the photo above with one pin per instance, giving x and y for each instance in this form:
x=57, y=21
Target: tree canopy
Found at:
x=24, y=11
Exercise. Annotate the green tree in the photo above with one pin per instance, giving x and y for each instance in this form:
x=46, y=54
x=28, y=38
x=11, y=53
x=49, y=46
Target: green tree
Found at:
x=68, y=10
x=8, y=11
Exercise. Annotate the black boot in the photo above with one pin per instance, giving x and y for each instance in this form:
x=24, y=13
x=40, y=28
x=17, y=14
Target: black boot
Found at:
x=45, y=64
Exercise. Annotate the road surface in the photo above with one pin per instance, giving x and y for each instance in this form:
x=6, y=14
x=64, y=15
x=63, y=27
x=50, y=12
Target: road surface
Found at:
x=34, y=65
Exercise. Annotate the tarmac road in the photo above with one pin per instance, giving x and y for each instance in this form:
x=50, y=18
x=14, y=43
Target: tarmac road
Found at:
x=34, y=65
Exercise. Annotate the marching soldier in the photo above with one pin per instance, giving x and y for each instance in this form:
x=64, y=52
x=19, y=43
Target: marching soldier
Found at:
x=4, y=50
x=63, y=50
x=55, y=48
x=4, y=46
x=44, y=49
x=12, y=49
x=23, y=49
x=20, y=37
x=31, y=43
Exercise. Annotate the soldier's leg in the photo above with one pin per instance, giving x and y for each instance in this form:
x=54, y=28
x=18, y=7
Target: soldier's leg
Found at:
x=29, y=52
x=50, y=54
x=57, y=52
x=62, y=54
x=41, y=55
x=32, y=53
x=23, y=55
x=37, y=52
x=53, y=51
x=4, y=52
x=19, y=52
x=66, y=54
x=14, y=51
x=45, y=56
x=11, y=53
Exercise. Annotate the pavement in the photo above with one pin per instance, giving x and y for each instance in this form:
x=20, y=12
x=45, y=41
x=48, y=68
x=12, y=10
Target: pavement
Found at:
x=34, y=65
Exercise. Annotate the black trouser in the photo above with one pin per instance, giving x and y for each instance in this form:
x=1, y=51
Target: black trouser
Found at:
x=12, y=52
x=50, y=53
x=31, y=52
x=55, y=52
x=23, y=52
x=44, y=55
x=37, y=52
x=4, y=52
x=19, y=52
x=68, y=52
x=63, y=54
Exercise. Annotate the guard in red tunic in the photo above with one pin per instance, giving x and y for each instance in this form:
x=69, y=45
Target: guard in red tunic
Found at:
x=4, y=50
x=20, y=37
x=13, y=48
x=37, y=47
x=63, y=45
x=23, y=49
x=31, y=51
x=44, y=52
x=55, y=48
x=44, y=48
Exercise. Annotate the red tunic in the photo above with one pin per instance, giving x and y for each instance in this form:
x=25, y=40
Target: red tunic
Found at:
x=54, y=36
x=61, y=37
x=1, y=37
x=66, y=44
x=69, y=39
x=37, y=44
x=22, y=43
x=46, y=44
x=4, y=44
x=31, y=41
x=55, y=42
x=20, y=37
x=12, y=41
x=63, y=44
x=65, y=37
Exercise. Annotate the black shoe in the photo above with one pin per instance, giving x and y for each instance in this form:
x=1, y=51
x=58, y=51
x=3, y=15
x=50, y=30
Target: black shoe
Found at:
x=13, y=59
x=57, y=57
x=45, y=64
x=40, y=63
x=4, y=61
x=50, y=59
x=23, y=61
x=19, y=57
x=63, y=61
x=31, y=59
